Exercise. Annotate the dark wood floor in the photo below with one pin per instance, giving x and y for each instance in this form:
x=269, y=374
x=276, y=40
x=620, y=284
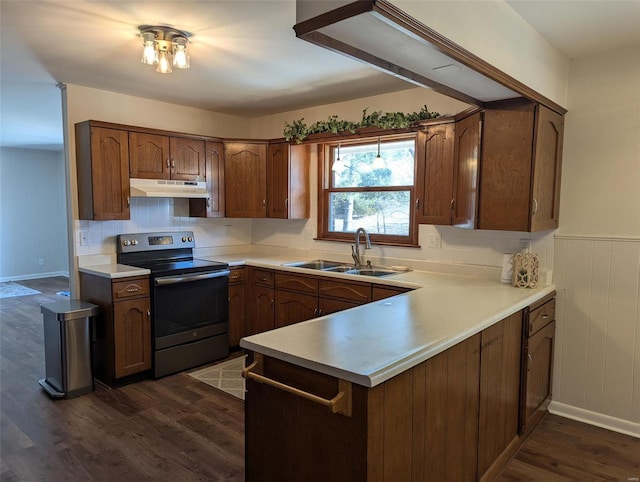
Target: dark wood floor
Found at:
x=178, y=428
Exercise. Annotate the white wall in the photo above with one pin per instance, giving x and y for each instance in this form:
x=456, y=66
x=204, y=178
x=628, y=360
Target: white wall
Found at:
x=597, y=261
x=32, y=214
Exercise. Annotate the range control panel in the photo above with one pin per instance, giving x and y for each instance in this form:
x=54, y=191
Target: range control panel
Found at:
x=128, y=243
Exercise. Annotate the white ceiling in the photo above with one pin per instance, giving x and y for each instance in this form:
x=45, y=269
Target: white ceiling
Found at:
x=246, y=59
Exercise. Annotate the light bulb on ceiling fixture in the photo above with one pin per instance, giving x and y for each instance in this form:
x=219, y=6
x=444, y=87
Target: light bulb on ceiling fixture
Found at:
x=164, y=62
x=149, y=48
x=180, y=53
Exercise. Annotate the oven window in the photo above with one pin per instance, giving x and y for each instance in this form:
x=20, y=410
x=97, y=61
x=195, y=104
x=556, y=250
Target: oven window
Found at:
x=182, y=307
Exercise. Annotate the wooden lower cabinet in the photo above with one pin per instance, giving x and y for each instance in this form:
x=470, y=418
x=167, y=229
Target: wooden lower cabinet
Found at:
x=292, y=307
x=122, y=348
x=499, y=390
x=537, y=362
x=453, y=417
x=237, y=306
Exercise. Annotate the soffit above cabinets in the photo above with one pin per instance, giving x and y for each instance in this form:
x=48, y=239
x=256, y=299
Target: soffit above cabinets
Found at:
x=383, y=36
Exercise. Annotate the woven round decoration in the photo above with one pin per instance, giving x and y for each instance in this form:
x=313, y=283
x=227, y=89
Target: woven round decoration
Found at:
x=525, y=270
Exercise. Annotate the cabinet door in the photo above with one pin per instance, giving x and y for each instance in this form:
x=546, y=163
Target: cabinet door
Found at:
x=465, y=172
x=278, y=180
x=214, y=172
x=538, y=362
x=109, y=174
x=434, y=181
x=294, y=307
x=236, y=313
x=132, y=336
x=505, y=170
x=245, y=180
x=547, y=166
x=499, y=389
x=327, y=306
x=262, y=314
x=149, y=156
x=382, y=292
x=187, y=159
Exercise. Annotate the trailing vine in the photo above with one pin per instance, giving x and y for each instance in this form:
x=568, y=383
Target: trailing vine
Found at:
x=298, y=130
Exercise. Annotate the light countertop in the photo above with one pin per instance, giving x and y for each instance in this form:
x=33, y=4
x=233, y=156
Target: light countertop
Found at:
x=372, y=343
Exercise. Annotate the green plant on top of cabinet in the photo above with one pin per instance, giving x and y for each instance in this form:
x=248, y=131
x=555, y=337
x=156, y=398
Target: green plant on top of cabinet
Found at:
x=521, y=167
x=102, y=163
x=154, y=156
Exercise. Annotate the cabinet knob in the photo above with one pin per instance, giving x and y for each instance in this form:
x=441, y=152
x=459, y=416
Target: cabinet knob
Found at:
x=535, y=206
x=168, y=163
x=417, y=204
x=530, y=361
x=128, y=201
x=264, y=203
x=208, y=202
x=286, y=203
x=173, y=164
x=453, y=205
x=149, y=314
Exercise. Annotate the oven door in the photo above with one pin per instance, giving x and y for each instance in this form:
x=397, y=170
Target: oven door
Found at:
x=189, y=307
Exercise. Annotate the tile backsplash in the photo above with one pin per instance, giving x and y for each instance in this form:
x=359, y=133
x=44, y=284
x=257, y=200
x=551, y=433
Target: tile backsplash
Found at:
x=439, y=244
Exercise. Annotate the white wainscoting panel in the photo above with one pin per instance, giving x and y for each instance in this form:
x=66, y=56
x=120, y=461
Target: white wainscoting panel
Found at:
x=597, y=355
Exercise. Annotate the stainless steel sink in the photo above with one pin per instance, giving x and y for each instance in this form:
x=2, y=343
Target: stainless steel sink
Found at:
x=379, y=272
x=337, y=267
x=320, y=264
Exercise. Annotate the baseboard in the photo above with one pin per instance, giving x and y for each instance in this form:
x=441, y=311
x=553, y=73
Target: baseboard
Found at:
x=35, y=276
x=593, y=418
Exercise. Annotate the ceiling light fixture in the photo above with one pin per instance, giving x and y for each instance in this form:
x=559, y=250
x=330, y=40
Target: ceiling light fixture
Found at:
x=164, y=47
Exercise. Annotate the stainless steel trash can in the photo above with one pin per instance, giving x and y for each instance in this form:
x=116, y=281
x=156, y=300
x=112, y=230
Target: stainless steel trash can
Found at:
x=67, y=348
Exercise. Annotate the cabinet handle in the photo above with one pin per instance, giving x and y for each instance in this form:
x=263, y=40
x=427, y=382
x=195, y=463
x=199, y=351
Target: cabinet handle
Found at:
x=149, y=314
x=341, y=403
x=208, y=202
x=535, y=207
x=134, y=289
x=529, y=361
x=286, y=203
x=544, y=317
x=315, y=312
x=264, y=203
x=235, y=277
x=417, y=204
x=319, y=312
x=168, y=163
x=453, y=205
x=173, y=164
x=128, y=201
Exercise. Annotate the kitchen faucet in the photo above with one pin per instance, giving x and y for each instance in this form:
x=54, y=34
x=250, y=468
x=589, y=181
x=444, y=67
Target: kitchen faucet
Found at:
x=355, y=249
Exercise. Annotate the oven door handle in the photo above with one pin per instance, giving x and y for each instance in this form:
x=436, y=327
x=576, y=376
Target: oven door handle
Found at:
x=172, y=280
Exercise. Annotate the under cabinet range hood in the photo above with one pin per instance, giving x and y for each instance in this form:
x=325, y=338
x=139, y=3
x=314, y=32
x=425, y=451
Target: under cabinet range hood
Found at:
x=168, y=188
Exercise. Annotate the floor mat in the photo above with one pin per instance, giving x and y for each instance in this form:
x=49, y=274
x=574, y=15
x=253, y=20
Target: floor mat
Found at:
x=10, y=289
x=225, y=376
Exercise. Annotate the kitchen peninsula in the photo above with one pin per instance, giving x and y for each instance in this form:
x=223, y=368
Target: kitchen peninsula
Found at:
x=426, y=385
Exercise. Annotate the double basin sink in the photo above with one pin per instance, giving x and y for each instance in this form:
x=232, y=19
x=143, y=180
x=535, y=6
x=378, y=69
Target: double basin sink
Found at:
x=337, y=267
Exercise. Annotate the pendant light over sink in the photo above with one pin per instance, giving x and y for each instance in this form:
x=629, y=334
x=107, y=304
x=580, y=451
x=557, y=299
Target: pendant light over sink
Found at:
x=165, y=47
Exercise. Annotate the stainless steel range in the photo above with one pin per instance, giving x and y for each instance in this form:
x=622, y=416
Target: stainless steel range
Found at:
x=189, y=299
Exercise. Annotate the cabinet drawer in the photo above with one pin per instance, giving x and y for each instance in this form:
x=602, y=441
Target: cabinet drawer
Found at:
x=541, y=317
x=236, y=276
x=379, y=292
x=262, y=277
x=301, y=284
x=342, y=290
x=130, y=289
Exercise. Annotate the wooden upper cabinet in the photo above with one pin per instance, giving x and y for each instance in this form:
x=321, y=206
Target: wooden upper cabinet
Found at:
x=547, y=169
x=102, y=163
x=154, y=156
x=288, y=181
x=464, y=203
x=434, y=180
x=187, y=159
x=149, y=156
x=245, y=174
x=520, y=169
x=214, y=207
